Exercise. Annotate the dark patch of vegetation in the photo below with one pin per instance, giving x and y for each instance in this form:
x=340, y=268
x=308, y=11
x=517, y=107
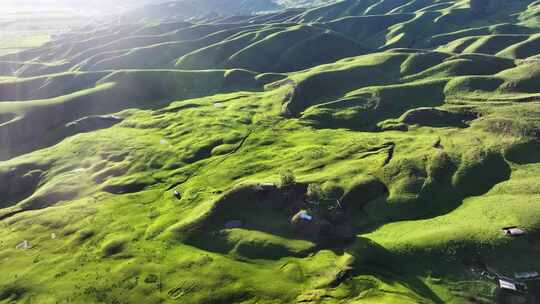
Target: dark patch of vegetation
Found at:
x=114, y=246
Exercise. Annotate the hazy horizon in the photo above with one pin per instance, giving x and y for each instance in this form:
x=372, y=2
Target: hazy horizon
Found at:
x=79, y=6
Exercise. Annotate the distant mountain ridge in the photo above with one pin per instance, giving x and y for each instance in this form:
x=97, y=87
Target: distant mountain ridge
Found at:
x=197, y=9
x=138, y=10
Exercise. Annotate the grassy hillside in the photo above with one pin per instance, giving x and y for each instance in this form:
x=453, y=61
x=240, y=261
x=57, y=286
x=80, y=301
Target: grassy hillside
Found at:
x=351, y=152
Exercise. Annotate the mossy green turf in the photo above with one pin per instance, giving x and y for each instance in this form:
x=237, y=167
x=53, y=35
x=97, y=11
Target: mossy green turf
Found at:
x=126, y=247
x=434, y=150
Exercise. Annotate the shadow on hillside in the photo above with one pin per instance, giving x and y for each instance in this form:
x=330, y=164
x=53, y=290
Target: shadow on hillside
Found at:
x=415, y=197
x=238, y=216
x=43, y=123
x=390, y=108
x=251, y=209
x=364, y=111
x=273, y=211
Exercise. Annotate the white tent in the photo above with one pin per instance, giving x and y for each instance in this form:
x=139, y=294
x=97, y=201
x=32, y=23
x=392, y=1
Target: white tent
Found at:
x=507, y=285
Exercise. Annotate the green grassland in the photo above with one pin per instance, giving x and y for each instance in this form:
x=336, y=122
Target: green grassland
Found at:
x=16, y=43
x=413, y=125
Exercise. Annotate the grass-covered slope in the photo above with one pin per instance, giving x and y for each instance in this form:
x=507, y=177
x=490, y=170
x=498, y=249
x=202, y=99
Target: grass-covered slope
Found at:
x=175, y=162
x=97, y=94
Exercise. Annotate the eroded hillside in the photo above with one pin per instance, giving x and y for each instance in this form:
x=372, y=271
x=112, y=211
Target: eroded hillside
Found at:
x=354, y=152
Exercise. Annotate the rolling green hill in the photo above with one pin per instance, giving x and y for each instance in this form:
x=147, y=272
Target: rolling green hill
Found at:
x=350, y=151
